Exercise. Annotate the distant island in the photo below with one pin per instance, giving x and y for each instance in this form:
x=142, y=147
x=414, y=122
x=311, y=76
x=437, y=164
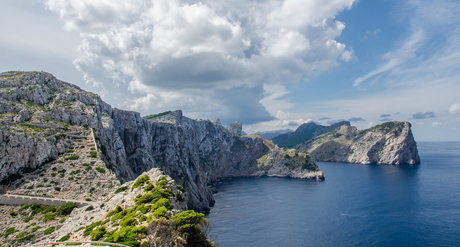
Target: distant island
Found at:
x=387, y=143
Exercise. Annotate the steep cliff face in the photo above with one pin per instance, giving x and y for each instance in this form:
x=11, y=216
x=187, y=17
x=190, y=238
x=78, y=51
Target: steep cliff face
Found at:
x=40, y=115
x=388, y=143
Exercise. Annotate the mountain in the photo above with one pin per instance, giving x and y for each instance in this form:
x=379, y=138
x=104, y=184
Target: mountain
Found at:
x=270, y=134
x=304, y=133
x=387, y=143
x=47, y=122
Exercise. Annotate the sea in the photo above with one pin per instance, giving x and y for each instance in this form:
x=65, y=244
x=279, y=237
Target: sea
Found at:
x=356, y=205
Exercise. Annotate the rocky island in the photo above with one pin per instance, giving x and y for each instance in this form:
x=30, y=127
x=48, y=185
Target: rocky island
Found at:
x=387, y=143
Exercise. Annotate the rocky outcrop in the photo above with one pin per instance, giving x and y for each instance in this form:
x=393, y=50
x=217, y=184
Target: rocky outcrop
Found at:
x=193, y=152
x=236, y=128
x=388, y=143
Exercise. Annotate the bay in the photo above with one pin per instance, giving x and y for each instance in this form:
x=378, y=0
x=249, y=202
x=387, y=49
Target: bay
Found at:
x=356, y=205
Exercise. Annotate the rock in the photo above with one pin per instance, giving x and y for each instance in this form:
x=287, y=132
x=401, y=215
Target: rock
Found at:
x=192, y=152
x=236, y=128
x=388, y=143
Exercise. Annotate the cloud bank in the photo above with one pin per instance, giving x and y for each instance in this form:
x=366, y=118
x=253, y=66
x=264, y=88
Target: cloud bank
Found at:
x=209, y=58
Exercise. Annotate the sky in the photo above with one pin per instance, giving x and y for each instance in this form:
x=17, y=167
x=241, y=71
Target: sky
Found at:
x=271, y=64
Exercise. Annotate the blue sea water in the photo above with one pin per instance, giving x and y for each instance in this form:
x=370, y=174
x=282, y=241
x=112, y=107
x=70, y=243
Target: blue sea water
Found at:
x=356, y=205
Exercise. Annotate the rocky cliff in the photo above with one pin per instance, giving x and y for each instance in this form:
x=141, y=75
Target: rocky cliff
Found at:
x=42, y=118
x=387, y=143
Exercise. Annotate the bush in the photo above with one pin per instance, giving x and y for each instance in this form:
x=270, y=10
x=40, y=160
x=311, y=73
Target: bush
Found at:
x=163, y=202
x=89, y=228
x=115, y=211
x=27, y=219
x=161, y=213
x=180, y=188
x=73, y=157
x=27, y=237
x=49, y=230
x=121, y=189
x=149, y=187
x=101, y=170
x=67, y=208
x=166, y=193
x=89, y=208
x=98, y=233
x=64, y=238
x=148, y=197
x=119, y=215
x=128, y=221
x=62, y=220
x=48, y=217
x=140, y=181
x=93, y=154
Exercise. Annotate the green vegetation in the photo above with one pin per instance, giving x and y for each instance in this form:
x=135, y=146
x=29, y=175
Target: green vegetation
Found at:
x=27, y=219
x=99, y=169
x=64, y=238
x=10, y=231
x=67, y=208
x=385, y=127
x=89, y=208
x=98, y=233
x=121, y=189
x=180, y=188
x=152, y=116
x=89, y=228
x=49, y=230
x=73, y=157
x=93, y=154
x=140, y=182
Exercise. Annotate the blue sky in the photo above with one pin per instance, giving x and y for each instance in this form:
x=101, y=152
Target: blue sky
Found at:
x=268, y=64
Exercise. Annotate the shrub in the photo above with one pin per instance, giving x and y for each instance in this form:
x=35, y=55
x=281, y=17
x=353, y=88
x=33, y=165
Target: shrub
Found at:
x=9, y=231
x=49, y=230
x=180, y=188
x=149, y=187
x=166, y=193
x=115, y=211
x=27, y=237
x=48, y=217
x=35, y=228
x=57, y=188
x=101, y=170
x=98, y=233
x=64, y=238
x=119, y=215
x=89, y=228
x=93, y=154
x=73, y=157
x=140, y=181
x=69, y=151
x=27, y=219
x=128, y=221
x=67, y=208
x=148, y=197
x=163, y=202
x=89, y=208
x=121, y=189
x=88, y=199
x=160, y=213
x=62, y=220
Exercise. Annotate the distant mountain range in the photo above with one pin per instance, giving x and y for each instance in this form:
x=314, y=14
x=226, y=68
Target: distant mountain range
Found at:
x=270, y=134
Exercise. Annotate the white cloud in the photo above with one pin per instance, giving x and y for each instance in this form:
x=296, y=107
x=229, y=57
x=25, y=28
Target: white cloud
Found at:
x=144, y=50
x=454, y=109
x=436, y=124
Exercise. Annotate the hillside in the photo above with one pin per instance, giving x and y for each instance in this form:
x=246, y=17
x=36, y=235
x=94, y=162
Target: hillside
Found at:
x=46, y=121
x=304, y=133
x=387, y=143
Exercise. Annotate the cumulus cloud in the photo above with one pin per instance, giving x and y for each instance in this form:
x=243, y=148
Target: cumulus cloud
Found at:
x=423, y=115
x=454, y=109
x=356, y=119
x=385, y=115
x=209, y=52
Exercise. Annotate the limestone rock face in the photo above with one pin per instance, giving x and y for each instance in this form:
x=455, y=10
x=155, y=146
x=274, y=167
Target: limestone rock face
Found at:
x=236, y=128
x=41, y=113
x=388, y=143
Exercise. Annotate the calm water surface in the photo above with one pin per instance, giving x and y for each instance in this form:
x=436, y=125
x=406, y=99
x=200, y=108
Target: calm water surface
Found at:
x=357, y=205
